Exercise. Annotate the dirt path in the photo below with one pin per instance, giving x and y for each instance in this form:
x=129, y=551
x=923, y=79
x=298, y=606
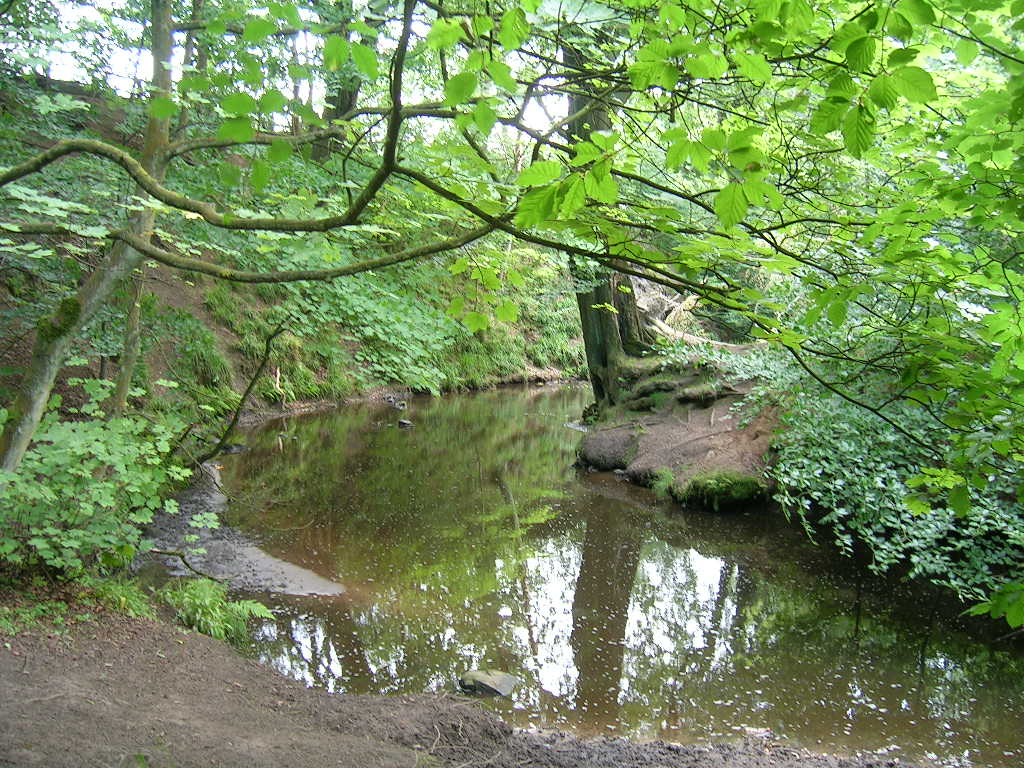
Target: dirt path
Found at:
x=123, y=692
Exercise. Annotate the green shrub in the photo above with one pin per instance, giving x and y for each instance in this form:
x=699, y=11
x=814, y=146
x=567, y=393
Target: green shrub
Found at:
x=842, y=467
x=122, y=595
x=202, y=605
x=84, y=490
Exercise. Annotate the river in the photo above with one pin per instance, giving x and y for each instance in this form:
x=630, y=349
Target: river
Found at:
x=470, y=541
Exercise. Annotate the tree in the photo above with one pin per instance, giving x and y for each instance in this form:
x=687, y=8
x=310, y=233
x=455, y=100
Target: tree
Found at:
x=718, y=150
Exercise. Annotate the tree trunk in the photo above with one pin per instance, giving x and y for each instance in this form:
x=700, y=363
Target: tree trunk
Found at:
x=130, y=353
x=609, y=317
x=56, y=332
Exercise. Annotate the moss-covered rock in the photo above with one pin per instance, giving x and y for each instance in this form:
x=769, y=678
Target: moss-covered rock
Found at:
x=721, y=491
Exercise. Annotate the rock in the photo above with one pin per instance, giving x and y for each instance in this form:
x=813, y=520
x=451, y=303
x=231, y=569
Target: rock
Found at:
x=233, y=448
x=488, y=682
x=405, y=424
x=609, y=449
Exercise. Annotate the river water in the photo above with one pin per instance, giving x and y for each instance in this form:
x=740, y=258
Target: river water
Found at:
x=470, y=541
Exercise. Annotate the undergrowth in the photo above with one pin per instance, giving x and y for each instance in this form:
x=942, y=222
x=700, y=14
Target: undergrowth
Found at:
x=202, y=605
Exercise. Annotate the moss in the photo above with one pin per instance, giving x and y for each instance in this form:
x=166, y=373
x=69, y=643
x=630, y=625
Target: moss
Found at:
x=61, y=321
x=699, y=393
x=721, y=491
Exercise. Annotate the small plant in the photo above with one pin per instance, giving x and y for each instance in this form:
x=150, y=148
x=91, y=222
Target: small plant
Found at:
x=121, y=595
x=661, y=482
x=202, y=605
x=19, y=618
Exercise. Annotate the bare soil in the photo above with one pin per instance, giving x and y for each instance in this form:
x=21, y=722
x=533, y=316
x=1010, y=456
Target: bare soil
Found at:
x=688, y=440
x=135, y=692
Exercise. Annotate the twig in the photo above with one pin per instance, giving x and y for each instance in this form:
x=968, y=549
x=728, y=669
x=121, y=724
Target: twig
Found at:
x=245, y=395
x=184, y=561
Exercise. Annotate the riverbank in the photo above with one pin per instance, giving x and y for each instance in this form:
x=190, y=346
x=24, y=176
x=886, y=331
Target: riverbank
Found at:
x=132, y=692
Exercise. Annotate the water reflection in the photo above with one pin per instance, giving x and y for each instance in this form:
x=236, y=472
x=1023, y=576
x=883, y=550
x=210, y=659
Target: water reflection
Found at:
x=470, y=542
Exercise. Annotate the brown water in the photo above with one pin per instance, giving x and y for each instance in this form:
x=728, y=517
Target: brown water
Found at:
x=470, y=541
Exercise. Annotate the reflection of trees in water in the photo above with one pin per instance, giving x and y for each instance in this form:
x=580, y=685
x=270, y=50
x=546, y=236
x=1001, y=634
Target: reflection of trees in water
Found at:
x=610, y=555
x=471, y=476
x=443, y=535
x=326, y=651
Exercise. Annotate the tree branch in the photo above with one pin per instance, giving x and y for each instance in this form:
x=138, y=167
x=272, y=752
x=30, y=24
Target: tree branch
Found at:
x=296, y=275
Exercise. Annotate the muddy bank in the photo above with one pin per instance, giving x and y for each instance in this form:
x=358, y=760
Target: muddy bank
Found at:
x=224, y=553
x=687, y=434
x=123, y=692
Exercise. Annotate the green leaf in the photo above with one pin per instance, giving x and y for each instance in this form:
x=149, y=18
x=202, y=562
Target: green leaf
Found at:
x=829, y=115
x=754, y=66
x=917, y=505
x=460, y=88
x=501, y=74
x=960, y=500
x=536, y=206
x=236, y=129
x=708, y=66
x=456, y=306
x=259, y=175
x=574, y=195
x=238, y=104
x=279, y=151
x=507, y=311
x=883, y=92
x=365, y=59
x=842, y=85
x=914, y=84
x=762, y=193
x=918, y=10
x=475, y=321
x=858, y=130
x=860, y=53
x=515, y=278
x=731, y=205
x=541, y=172
x=586, y=152
x=444, y=34
x=230, y=175
x=162, y=108
x=482, y=25
x=837, y=312
x=484, y=117
x=599, y=184
x=966, y=52
x=514, y=29
x=897, y=25
x=459, y=266
x=196, y=83
x=713, y=139
x=336, y=52
x=272, y=101
x=258, y=29
x=902, y=56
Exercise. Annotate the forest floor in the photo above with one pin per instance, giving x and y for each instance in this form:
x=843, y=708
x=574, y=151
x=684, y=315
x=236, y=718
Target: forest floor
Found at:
x=135, y=692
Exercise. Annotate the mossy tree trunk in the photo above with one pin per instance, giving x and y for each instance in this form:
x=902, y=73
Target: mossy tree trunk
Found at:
x=56, y=332
x=611, y=323
x=130, y=353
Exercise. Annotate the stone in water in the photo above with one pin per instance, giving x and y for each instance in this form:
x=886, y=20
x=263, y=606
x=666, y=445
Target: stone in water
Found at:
x=488, y=681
